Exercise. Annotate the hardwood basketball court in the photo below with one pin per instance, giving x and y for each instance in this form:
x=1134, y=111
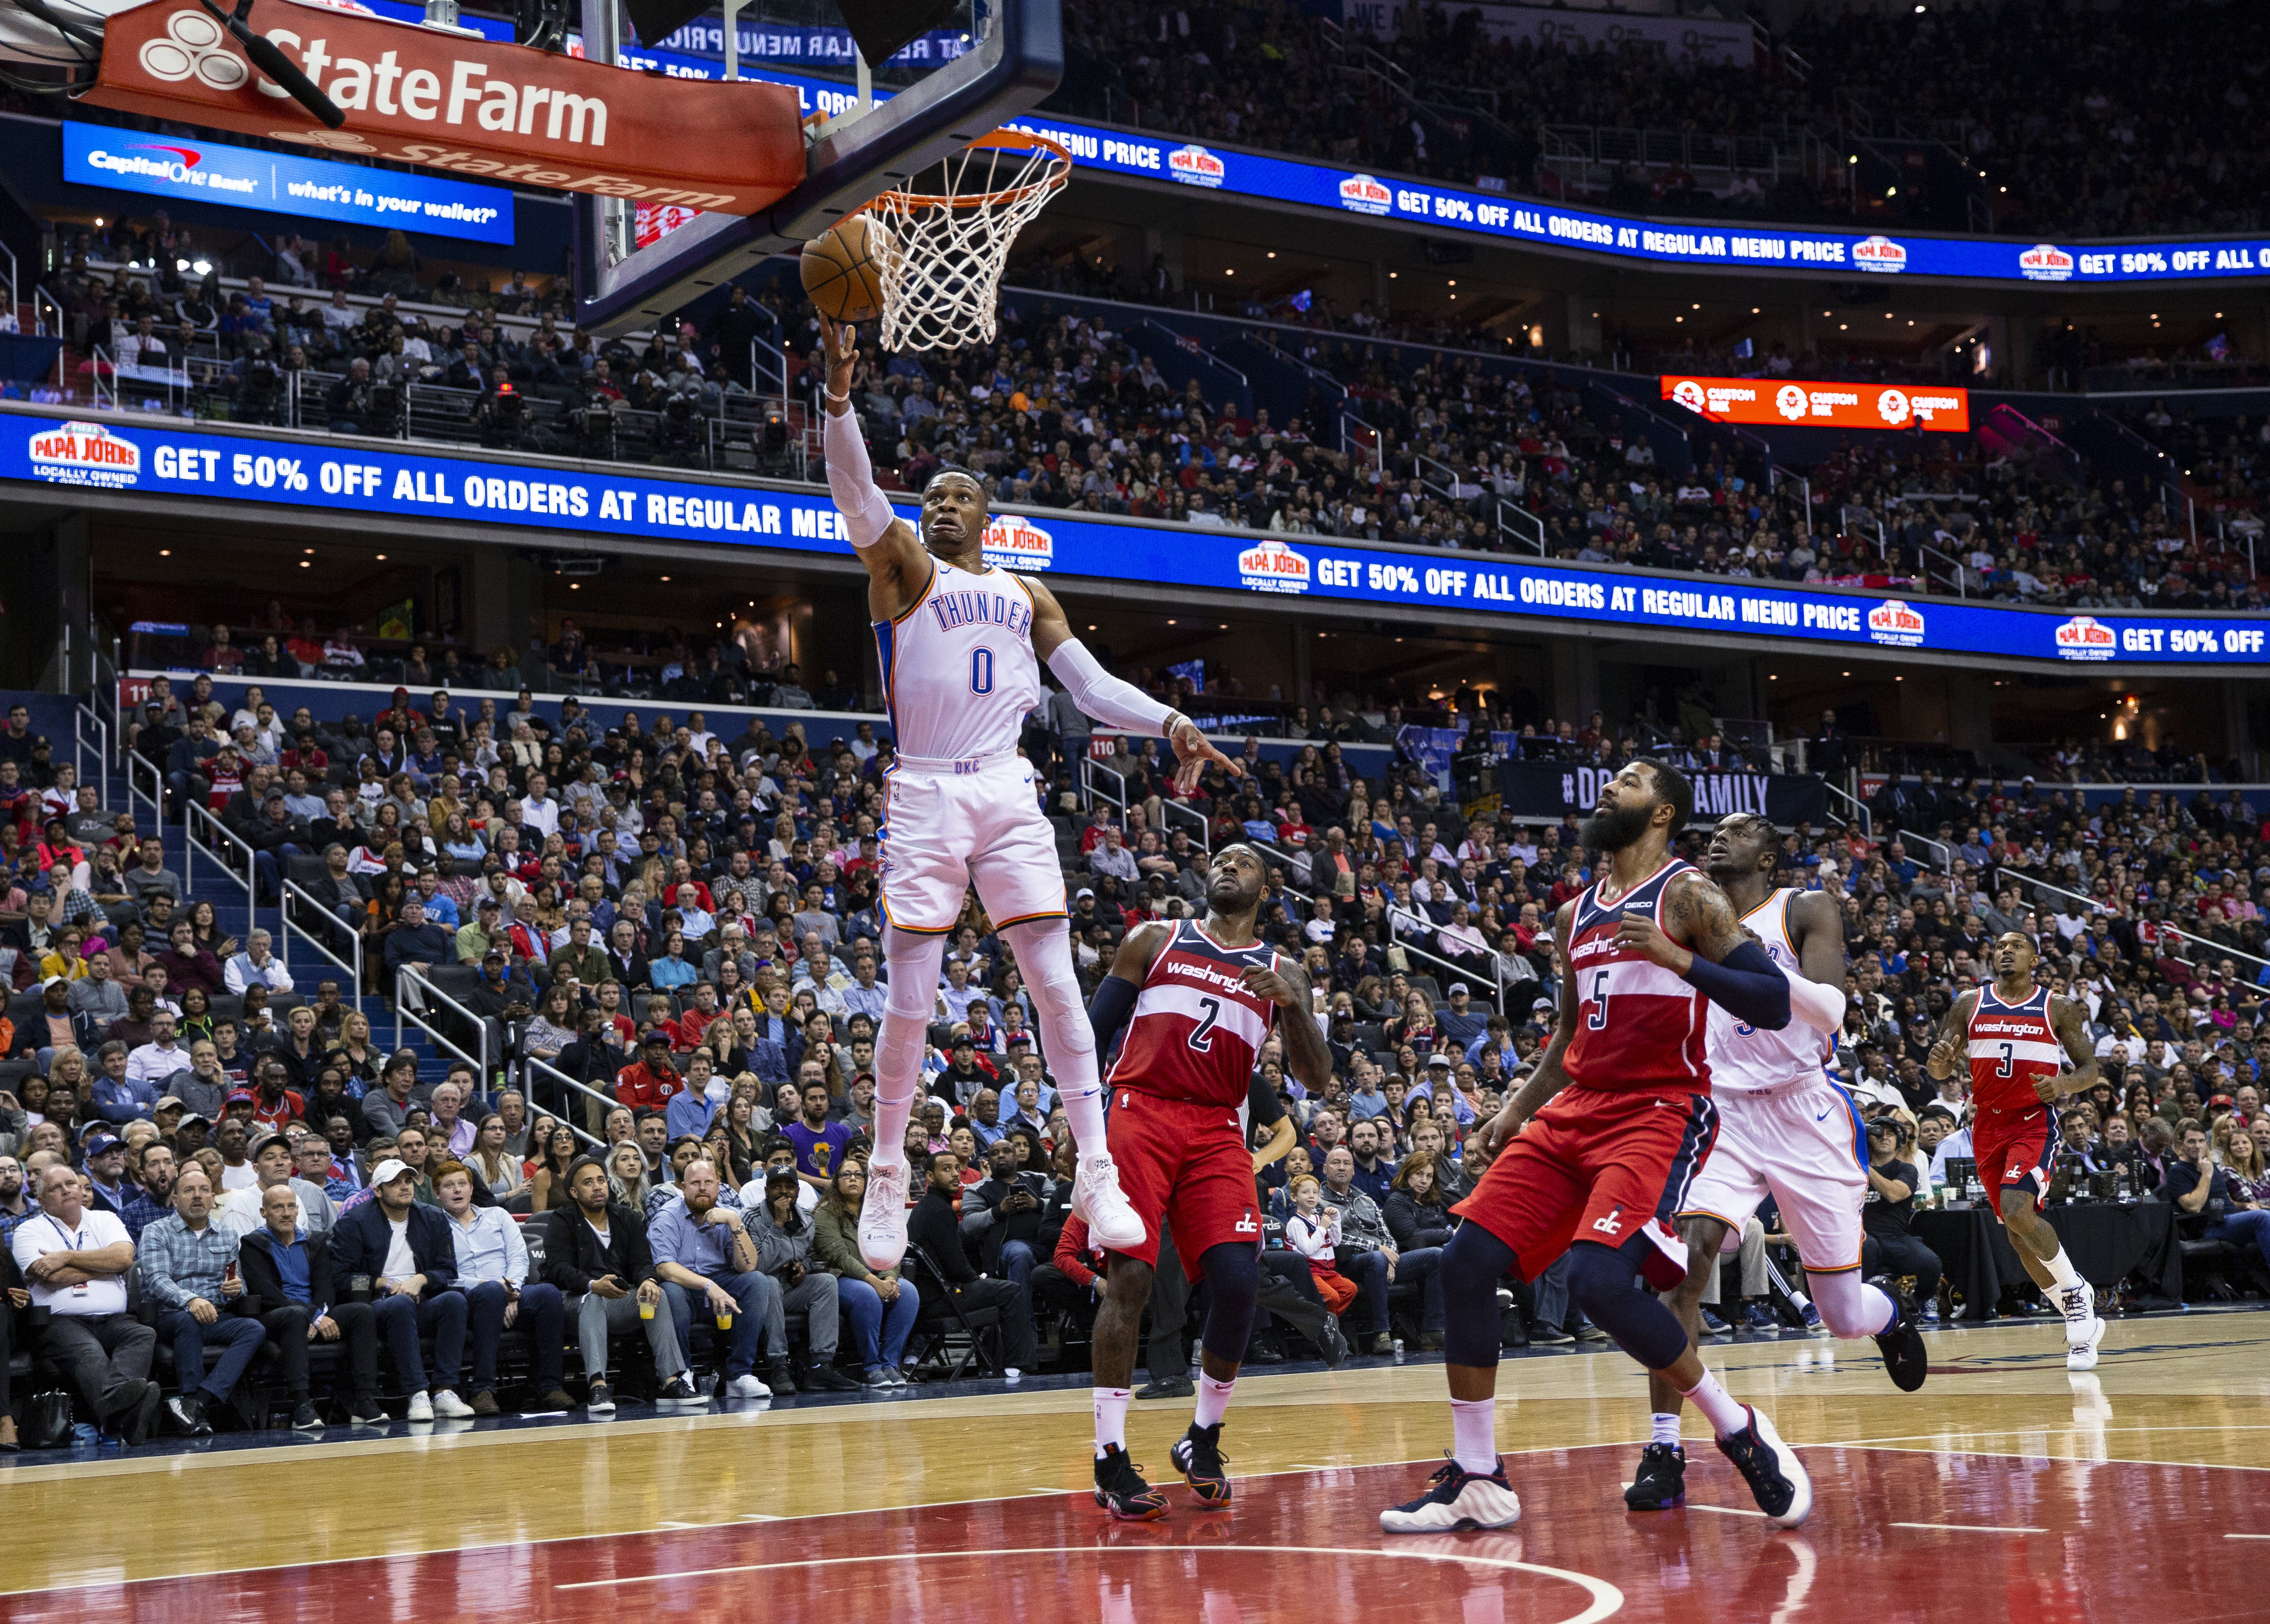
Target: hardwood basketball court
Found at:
x=2006, y=1488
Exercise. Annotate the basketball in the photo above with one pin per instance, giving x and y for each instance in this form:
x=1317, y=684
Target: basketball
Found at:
x=843, y=269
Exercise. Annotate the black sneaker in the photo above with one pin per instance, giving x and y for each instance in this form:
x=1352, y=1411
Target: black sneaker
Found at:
x=304, y=1417
x=1197, y=1454
x=602, y=1401
x=679, y=1390
x=828, y=1379
x=1778, y=1479
x=1660, y=1483
x=1120, y=1489
x=1457, y=1499
x=1333, y=1344
x=366, y=1411
x=1550, y=1336
x=1905, y=1359
x=1166, y=1387
x=136, y=1419
x=781, y=1377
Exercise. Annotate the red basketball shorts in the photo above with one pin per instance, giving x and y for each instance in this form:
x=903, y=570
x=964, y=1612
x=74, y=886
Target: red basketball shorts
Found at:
x=1601, y=1166
x=2015, y=1152
x=1187, y=1163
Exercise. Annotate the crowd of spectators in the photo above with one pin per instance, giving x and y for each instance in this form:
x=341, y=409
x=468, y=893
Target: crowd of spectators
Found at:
x=2088, y=122
x=668, y=941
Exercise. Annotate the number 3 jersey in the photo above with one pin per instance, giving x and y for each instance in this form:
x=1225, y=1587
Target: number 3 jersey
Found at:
x=1196, y=1027
x=959, y=668
x=2011, y=1047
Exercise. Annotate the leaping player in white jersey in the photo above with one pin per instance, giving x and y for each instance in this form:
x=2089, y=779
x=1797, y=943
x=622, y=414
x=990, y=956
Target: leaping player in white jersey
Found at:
x=960, y=645
x=1784, y=1127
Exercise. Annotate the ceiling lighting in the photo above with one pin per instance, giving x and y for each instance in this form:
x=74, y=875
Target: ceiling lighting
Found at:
x=1694, y=306
x=305, y=564
x=1272, y=253
x=666, y=577
x=1393, y=274
x=165, y=553
x=1231, y=271
x=1891, y=191
x=1454, y=281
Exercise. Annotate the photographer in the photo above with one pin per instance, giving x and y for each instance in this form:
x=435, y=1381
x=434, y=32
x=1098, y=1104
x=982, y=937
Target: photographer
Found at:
x=1888, y=1245
x=501, y=415
x=347, y=402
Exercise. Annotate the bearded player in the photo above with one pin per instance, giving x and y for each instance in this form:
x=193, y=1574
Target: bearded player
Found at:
x=1785, y=1129
x=1202, y=999
x=960, y=644
x=1594, y=1153
x=2019, y=1040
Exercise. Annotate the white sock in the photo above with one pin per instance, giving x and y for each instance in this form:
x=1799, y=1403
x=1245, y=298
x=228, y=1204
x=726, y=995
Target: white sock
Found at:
x=1111, y=1417
x=1664, y=1428
x=2074, y=1298
x=1725, y=1413
x=1473, y=1434
x=1214, y=1399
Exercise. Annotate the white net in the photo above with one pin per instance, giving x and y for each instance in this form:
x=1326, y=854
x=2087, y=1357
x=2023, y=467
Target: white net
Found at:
x=942, y=260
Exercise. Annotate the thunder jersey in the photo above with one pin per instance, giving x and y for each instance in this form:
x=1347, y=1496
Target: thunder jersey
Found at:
x=958, y=670
x=1638, y=1025
x=1745, y=1058
x=1196, y=1027
x=2011, y=1047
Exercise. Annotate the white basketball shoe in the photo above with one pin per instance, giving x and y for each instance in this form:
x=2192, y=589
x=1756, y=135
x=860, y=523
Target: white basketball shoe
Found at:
x=883, y=1216
x=1097, y=1199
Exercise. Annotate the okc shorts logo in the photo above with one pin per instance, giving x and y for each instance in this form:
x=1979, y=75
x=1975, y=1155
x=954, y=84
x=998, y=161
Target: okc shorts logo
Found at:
x=194, y=47
x=1791, y=402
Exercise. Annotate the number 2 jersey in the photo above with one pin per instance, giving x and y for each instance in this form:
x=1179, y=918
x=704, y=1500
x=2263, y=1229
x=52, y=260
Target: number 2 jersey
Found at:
x=2011, y=1047
x=1197, y=1028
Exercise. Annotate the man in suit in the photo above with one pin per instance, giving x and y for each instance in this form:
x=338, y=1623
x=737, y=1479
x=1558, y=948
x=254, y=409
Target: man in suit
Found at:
x=402, y=1251
x=624, y=962
x=596, y=1252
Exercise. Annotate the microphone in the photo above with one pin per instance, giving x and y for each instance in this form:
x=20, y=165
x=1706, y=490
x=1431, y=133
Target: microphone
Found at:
x=270, y=60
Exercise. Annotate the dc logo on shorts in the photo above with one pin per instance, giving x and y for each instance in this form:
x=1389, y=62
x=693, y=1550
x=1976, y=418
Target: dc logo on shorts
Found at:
x=1246, y=1226
x=1613, y=1224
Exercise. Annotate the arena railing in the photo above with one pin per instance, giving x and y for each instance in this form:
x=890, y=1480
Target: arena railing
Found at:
x=294, y=927
x=407, y=980
x=532, y=1067
x=224, y=842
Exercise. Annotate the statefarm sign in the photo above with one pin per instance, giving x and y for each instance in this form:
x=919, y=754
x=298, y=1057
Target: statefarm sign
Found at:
x=1775, y=402
x=463, y=104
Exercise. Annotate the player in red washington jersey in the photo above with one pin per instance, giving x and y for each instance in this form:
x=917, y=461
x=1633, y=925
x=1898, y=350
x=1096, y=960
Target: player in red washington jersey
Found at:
x=2019, y=1041
x=1204, y=998
x=1592, y=1155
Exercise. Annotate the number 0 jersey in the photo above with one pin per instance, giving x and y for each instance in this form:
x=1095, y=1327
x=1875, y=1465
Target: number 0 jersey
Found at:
x=2011, y=1047
x=958, y=670
x=1196, y=1027
x=1638, y=1025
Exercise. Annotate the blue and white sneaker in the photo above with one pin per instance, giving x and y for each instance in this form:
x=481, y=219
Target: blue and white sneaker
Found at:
x=1813, y=1325
x=1778, y=1479
x=1457, y=1499
x=1713, y=1326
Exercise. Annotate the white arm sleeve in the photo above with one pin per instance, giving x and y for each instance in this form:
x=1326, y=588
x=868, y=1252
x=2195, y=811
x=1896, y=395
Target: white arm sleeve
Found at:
x=851, y=481
x=1104, y=696
x=1817, y=1003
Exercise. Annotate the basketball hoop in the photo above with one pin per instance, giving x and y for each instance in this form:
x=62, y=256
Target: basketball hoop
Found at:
x=941, y=280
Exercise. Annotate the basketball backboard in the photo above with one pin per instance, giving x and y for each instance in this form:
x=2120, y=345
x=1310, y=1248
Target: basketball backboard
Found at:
x=1015, y=61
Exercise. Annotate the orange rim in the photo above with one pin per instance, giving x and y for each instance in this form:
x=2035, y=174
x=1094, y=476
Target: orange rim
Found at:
x=1059, y=171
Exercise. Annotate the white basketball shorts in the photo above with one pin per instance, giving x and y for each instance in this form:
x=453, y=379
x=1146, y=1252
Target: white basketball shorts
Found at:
x=1802, y=1143
x=948, y=824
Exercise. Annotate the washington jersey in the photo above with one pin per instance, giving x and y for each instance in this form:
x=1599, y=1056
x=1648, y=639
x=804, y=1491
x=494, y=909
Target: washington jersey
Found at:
x=2011, y=1047
x=1638, y=1025
x=1196, y=1027
x=958, y=670
x=1744, y=1058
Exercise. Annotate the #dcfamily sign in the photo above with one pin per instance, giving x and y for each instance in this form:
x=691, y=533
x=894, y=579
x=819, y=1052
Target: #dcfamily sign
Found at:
x=456, y=102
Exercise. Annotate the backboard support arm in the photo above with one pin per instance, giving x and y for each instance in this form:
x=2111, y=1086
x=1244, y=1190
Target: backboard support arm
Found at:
x=1016, y=63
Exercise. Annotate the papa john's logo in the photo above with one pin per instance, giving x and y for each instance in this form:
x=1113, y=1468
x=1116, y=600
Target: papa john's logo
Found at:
x=1879, y=254
x=1896, y=623
x=85, y=454
x=2045, y=263
x=1365, y=195
x=1015, y=542
x=1194, y=166
x=1272, y=566
x=2085, y=637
